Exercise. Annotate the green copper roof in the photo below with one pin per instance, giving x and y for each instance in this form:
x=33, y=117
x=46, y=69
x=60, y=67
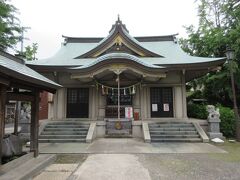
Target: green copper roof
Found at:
x=168, y=50
x=171, y=51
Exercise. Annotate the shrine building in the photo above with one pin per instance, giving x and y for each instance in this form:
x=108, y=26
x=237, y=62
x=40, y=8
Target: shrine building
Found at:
x=121, y=78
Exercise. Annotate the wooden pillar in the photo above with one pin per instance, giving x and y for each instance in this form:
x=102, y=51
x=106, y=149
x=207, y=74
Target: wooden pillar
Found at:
x=34, y=124
x=2, y=116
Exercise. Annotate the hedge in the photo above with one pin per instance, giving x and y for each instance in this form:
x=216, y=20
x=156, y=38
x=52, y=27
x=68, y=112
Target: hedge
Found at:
x=227, y=125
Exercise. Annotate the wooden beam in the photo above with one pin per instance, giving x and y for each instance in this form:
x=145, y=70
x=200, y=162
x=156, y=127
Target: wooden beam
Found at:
x=34, y=124
x=30, y=86
x=2, y=116
x=4, y=81
x=20, y=96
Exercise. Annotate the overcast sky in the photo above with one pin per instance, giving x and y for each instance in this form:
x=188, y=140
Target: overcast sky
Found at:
x=50, y=19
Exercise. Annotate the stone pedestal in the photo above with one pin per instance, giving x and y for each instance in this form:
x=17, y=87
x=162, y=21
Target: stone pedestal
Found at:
x=214, y=129
x=214, y=123
x=118, y=126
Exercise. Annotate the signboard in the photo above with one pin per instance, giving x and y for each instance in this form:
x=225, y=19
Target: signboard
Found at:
x=154, y=107
x=165, y=107
x=128, y=112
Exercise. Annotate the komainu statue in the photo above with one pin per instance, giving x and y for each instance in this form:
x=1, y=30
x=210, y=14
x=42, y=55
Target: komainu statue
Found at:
x=214, y=122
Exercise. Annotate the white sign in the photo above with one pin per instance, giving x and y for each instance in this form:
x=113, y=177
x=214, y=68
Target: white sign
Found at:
x=165, y=107
x=128, y=112
x=154, y=107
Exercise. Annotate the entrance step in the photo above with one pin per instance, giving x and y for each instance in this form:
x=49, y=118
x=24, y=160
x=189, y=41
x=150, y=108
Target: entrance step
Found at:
x=174, y=132
x=172, y=128
x=62, y=140
x=65, y=126
x=176, y=140
x=178, y=125
x=64, y=131
x=62, y=136
x=175, y=136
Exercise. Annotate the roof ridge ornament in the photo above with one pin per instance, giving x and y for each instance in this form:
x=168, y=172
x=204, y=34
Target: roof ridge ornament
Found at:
x=117, y=37
x=118, y=24
x=118, y=18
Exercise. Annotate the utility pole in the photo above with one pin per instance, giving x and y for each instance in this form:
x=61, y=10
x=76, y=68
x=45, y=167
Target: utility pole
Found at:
x=22, y=38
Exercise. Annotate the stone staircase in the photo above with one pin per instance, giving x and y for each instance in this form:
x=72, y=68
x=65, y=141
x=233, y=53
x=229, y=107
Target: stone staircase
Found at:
x=173, y=132
x=64, y=132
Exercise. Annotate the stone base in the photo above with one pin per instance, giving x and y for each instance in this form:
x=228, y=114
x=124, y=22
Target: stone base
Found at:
x=118, y=127
x=12, y=145
x=215, y=135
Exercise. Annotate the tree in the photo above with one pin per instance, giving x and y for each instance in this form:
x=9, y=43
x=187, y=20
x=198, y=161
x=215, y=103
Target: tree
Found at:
x=9, y=25
x=30, y=52
x=219, y=27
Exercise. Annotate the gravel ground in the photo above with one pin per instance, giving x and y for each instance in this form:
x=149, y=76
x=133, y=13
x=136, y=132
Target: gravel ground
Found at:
x=189, y=166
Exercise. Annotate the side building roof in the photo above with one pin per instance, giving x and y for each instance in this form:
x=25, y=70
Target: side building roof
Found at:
x=15, y=68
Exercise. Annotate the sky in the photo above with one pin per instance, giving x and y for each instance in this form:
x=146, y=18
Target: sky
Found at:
x=50, y=19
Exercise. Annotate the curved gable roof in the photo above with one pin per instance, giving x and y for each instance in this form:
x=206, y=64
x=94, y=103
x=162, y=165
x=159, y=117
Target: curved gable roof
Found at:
x=112, y=56
x=119, y=35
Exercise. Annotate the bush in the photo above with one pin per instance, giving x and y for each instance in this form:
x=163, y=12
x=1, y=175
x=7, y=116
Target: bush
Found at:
x=227, y=125
x=195, y=95
x=228, y=122
x=198, y=111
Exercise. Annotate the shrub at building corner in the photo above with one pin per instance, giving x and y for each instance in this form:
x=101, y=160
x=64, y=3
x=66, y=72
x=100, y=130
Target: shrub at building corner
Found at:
x=197, y=111
x=227, y=125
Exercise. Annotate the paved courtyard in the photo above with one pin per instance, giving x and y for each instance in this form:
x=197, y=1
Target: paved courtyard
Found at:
x=200, y=161
x=144, y=167
x=127, y=146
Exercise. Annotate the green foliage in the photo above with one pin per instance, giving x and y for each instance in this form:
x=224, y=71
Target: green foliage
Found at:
x=227, y=125
x=219, y=27
x=30, y=52
x=197, y=111
x=195, y=95
x=9, y=28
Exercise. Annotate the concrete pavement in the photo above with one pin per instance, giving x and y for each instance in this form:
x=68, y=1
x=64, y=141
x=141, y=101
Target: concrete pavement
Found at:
x=111, y=166
x=127, y=146
x=125, y=159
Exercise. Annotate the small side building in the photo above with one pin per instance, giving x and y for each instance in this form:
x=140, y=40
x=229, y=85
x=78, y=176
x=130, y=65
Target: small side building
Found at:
x=20, y=83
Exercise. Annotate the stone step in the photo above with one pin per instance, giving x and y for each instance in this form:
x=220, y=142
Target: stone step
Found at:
x=62, y=136
x=153, y=136
x=69, y=122
x=62, y=140
x=174, y=132
x=65, y=126
x=176, y=140
x=172, y=129
x=171, y=125
x=66, y=129
x=64, y=132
